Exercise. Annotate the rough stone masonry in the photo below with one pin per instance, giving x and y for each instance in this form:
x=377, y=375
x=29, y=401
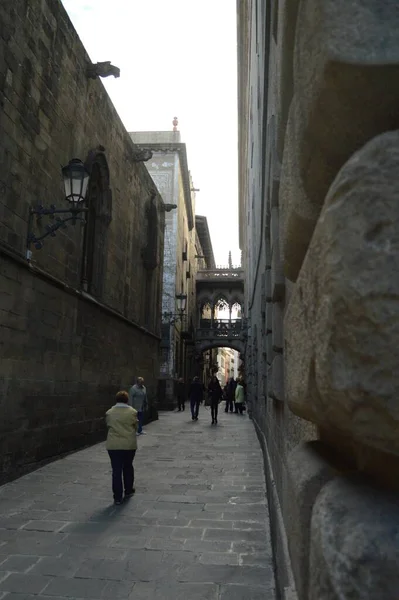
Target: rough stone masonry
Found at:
x=81, y=319
x=319, y=121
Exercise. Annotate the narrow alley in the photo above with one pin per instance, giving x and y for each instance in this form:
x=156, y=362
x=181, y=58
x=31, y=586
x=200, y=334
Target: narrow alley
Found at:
x=196, y=529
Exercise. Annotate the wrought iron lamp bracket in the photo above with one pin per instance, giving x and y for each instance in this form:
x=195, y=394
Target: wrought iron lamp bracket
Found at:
x=50, y=230
x=172, y=318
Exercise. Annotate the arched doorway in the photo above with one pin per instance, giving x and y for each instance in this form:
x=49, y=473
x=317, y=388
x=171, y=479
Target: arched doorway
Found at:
x=99, y=216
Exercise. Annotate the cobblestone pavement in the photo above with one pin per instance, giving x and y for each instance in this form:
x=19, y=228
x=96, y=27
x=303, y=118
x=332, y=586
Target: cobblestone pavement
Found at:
x=197, y=528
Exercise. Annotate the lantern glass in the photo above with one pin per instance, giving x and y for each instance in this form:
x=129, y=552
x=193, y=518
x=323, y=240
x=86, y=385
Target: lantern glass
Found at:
x=181, y=302
x=76, y=180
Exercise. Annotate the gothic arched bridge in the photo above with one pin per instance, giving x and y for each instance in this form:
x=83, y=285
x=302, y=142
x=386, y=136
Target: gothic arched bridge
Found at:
x=220, y=309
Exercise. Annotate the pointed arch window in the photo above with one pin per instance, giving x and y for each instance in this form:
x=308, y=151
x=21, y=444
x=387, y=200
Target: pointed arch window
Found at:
x=99, y=217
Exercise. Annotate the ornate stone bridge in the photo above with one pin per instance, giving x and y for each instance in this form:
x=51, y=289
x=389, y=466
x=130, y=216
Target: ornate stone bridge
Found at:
x=220, y=309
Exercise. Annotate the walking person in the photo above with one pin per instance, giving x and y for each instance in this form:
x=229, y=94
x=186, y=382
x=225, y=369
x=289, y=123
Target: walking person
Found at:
x=215, y=394
x=195, y=394
x=230, y=394
x=181, y=394
x=239, y=398
x=138, y=401
x=121, y=444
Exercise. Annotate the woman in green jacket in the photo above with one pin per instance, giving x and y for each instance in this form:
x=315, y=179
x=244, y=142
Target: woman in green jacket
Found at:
x=121, y=421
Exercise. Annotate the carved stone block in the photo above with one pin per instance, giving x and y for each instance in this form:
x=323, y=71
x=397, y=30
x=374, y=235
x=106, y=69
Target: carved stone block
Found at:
x=346, y=78
x=297, y=214
x=268, y=285
x=354, y=547
x=344, y=94
x=341, y=326
x=277, y=328
x=268, y=251
x=269, y=349
x=286, y=27
x=306, y=474
x=277, y=276
x=274, y=227
x=275, y=378
x=269, y=316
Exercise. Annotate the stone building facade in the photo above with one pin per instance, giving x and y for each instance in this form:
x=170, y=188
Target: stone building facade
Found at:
x=205, y=361
x=319, y=230
x=168, y=168
x=80, y=319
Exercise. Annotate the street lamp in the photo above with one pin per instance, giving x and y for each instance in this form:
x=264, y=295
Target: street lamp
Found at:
x=76, y=180
x=181, y=302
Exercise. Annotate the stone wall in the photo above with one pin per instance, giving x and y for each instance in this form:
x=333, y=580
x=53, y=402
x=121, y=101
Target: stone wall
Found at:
x=81, y=319
x=320, y=237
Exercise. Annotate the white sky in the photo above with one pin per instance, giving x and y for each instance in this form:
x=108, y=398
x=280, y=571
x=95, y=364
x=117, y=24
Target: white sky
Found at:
x=177, y=58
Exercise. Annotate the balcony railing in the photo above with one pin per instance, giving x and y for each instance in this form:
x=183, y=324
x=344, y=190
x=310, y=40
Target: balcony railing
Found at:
x=220, y=328
x=221, y=274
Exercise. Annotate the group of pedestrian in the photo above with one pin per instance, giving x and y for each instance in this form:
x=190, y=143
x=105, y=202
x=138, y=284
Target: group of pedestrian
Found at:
x=125, y=422
x=233, y=393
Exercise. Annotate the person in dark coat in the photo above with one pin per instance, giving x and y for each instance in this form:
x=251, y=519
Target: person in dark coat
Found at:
x=230, y=394
x=195, y=394
x=215, y=394
x=181, y=394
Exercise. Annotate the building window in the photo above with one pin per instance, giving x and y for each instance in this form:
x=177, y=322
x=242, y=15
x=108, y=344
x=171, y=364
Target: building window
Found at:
x=96, y=231
x=185, y=251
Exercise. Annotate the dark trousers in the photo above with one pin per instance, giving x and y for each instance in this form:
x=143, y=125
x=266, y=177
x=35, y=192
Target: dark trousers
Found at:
x=194, y=405
x=214, y=409
x=240, y=407
x=229, y=404
x=122, y=466
x=180, y=403
x=140, y=417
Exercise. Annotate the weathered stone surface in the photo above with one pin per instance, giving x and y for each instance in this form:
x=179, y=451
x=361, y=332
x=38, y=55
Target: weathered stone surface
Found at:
x=328, y=112
x=277, y=329
x=274, y=227
x=263, y=294
x=268, y=252
x=269, y=348
x=354, y=543
x=298, y=214
x=341, y=327
x=277, y=276
x=339, y=42
x=269, y=316
x=285, y=25
x=268, y=285
x=275, y=378
x=307, y=472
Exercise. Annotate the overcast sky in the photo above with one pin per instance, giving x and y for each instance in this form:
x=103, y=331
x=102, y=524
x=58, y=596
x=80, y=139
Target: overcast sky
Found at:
x=177, y=58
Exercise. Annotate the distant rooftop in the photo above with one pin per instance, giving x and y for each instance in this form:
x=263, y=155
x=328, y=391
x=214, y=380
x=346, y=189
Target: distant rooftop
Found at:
x=155, y=137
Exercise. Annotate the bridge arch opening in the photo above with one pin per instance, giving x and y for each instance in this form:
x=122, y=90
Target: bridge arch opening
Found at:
x=221, y=360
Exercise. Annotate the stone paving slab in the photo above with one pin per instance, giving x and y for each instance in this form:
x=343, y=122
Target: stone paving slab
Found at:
x=196, y=529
